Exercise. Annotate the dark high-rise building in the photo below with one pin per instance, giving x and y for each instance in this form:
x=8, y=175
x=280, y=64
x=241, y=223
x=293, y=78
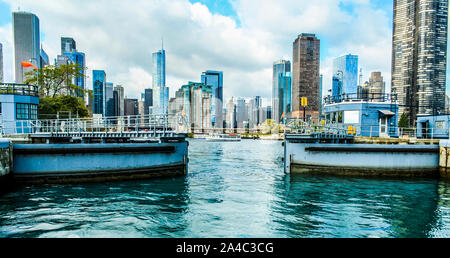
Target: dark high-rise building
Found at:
x=116, y=102
x=120, y=100
x=306, y=75
x=215, y=80
x=131, y=107
x=148, y=100
x=419, y=56
x=99, y=83
x=109, y=100
x=26, y=43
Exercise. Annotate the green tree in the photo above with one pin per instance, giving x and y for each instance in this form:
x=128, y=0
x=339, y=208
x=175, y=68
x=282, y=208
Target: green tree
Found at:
x=56, y=80
x=50, y=106
x=404, y=121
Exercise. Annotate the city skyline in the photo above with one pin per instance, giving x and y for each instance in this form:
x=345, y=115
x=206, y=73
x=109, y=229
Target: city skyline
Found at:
x=134, y=72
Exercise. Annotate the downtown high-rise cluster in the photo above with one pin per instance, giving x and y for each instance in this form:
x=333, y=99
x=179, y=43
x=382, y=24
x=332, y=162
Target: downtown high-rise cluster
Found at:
x=419, y=60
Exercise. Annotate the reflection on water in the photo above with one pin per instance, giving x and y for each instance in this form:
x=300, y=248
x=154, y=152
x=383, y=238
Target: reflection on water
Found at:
x=234, y=189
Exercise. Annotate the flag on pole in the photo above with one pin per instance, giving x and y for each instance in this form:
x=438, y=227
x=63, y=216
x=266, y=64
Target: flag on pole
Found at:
x=28, y=64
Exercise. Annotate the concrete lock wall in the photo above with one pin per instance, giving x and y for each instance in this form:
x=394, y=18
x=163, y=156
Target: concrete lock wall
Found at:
x=6, y=163
x=363, y=159
x=444, y=158
x=94, y=162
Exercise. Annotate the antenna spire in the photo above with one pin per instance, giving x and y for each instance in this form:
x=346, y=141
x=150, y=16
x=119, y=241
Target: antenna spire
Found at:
x=162, y=43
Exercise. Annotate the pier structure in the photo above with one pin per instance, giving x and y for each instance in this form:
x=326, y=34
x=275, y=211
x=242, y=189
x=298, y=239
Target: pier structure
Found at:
x=332, y=150
x=94, y=149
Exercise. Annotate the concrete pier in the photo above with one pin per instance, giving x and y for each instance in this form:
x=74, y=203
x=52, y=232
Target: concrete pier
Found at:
x=6, y=163
x=444, y=158
x=319, y=155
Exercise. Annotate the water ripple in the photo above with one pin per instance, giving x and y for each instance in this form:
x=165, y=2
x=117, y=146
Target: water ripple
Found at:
x=232, y=190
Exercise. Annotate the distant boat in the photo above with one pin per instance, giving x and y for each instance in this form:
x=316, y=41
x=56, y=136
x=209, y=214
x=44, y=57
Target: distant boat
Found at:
x=224, y=138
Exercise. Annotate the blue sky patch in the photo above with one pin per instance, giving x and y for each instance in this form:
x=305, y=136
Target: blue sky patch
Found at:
x=222, y=7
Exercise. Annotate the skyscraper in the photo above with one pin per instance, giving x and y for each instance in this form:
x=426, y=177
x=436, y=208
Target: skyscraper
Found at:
x=79, y=59
x=26, y=43
x=241, y=112
x=69, y=49
x=215, y=80
x=285, y=94
x=159, y=69
x=1, y=63
x=119, y=104
x=99, y=83
x=231, y=114
x=197, y=104
x=305, y=75
x=159, y=90
x=109, y=100
x=68, y=45
x=346, y=69
x=419, y=56
x=253, y=112
x=43, y=59
x=131, y=107
x=160, y=100
x=279, y=68
x=376, y=86
x=148, y=100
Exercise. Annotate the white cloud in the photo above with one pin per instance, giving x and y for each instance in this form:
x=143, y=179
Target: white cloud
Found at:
x=120, y=36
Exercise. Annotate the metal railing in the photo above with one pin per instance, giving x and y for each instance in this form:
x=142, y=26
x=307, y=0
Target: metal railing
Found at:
x=370, y=97
x=152, y=124
x=18, y=89
x=298, y=126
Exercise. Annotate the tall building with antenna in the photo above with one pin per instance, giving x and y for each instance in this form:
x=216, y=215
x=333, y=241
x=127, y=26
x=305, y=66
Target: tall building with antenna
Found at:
x=159, y=68
x=160, y=91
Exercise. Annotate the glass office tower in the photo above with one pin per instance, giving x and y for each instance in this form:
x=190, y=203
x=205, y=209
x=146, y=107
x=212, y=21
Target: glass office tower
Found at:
x=160, y=101
x=78, y=58
x=26, y=43
x=160, y=91
x=68, y=45
x=279, y=68
x=215, y=80
x=109, y=100
x=285, y=93
x=159, y=69
x=345, y=68
x=99, y=83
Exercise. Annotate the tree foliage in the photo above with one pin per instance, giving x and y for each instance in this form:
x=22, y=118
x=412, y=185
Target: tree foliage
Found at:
x=270, y=126
x=52, y=105
x=56, y=80
x=404, y=121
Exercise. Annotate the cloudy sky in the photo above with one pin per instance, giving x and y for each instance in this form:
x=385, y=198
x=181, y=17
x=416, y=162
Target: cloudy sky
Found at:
x=242, y=38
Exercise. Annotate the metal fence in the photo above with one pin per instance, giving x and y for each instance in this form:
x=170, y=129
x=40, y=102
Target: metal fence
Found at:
x=145, y=123
x=300, y=127
x=18, y=89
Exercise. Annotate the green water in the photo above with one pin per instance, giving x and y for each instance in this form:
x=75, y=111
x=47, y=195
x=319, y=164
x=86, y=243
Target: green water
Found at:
x=235, y=189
